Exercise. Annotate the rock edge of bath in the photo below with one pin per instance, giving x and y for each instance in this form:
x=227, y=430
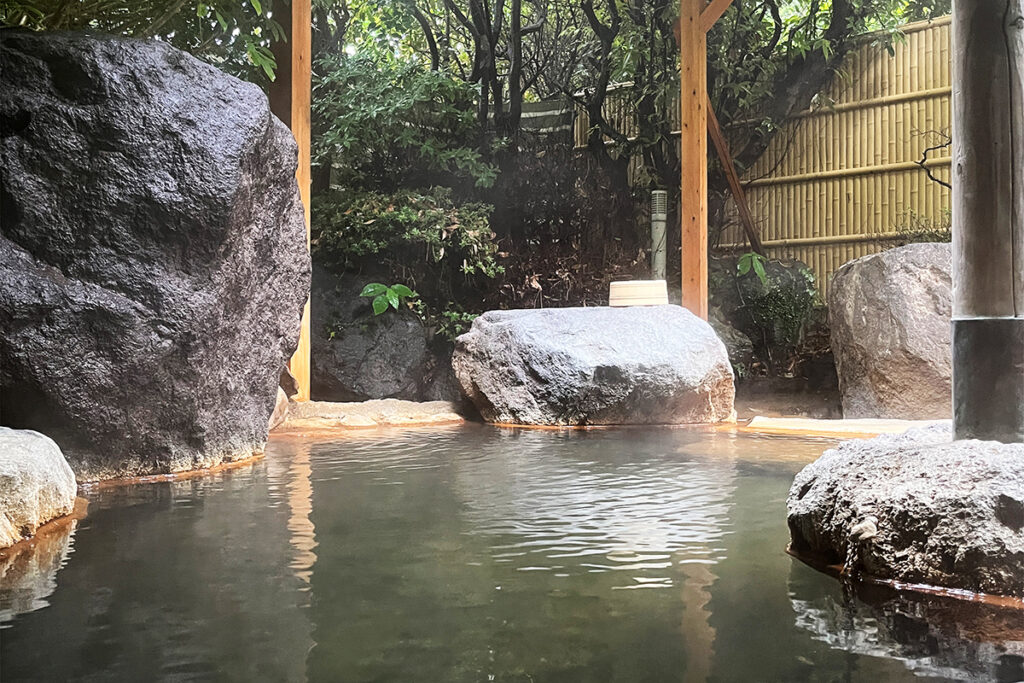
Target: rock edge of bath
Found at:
x=36, y=484
x=916, y=507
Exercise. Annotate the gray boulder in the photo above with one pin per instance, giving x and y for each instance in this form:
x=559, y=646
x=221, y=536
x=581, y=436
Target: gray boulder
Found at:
x=916, y=507
x=576, y=366
x=36, y=484
x=153, y=264
x=889, y=315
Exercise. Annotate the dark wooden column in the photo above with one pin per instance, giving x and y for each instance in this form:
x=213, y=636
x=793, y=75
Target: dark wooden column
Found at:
x=988, y=220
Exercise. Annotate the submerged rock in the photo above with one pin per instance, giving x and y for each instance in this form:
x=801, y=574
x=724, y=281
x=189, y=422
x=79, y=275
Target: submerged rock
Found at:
x=577, y=366
x=153, y=262
x=36, y=484
x=890, y=324
x=916, y=507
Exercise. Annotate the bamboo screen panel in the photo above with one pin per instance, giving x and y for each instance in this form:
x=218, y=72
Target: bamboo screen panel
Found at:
x=836, y=183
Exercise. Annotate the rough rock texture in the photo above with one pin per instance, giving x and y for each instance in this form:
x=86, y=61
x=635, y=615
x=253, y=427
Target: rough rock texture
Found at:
x=358, y=356
x=737, y=344
x=575, y=366
x=916, y=507
x=890, y=320
x=36, y=484
x=280, y=409
x=153, y=264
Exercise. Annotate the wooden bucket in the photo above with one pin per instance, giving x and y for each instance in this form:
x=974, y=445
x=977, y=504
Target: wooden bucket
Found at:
x=638, y=293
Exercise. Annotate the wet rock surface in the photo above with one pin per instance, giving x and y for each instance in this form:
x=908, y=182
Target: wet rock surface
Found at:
x=153, y=265
x=889, y=315
x=918, y=508
x=737, y=344
x=359, y=356
x=36, y=484
x=577, y=366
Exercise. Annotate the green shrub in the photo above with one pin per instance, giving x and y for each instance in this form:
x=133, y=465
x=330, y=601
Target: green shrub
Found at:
x=351, y=226
x=382, y=123
x=771, y=304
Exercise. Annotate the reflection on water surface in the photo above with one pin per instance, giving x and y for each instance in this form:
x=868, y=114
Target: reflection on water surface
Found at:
x=477, y=554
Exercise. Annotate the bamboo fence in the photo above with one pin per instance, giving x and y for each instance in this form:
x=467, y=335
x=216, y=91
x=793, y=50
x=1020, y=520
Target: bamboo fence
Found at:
x=843, y=180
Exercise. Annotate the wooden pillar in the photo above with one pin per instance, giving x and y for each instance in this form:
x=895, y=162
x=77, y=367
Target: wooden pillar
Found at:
x=290, y=98
x=693, y=149
x=988, y=219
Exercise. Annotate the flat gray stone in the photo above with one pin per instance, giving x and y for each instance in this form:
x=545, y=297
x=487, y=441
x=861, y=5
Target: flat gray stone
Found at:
x=916, y=507
x=596, y=366
x=36, y=484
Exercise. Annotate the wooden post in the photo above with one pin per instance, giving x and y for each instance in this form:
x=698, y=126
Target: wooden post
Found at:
x=988, y=220
x=290, y=98
x=693, y=148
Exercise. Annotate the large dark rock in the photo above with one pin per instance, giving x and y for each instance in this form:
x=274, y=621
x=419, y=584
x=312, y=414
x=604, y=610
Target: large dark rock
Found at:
x=153, y=264
x=574, y=366
x=358, y=356
x=889, y=315
x=918, y=508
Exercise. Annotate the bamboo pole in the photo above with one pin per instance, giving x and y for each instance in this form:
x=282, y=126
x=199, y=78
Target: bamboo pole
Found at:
x=988, y=220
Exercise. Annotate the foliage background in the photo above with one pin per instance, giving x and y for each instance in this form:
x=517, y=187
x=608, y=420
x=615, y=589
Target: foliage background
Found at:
x=423, y=164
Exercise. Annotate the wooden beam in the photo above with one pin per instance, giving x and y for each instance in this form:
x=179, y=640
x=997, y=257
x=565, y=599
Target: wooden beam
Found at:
x=290, y=97
x=722, y=147
x=693, y=147
x=712, y=13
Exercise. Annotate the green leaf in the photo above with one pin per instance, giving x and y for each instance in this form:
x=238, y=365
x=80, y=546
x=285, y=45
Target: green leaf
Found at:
x=380, y=304
x=201, y=10
x=759, y=270
x=256, y=6
x=743, y=266
x=402, y=291
x=392, y=298
x=373, y=289
x=221, y=20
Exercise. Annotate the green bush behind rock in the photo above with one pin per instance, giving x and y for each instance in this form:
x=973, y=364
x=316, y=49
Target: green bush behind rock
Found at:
x=773, y=313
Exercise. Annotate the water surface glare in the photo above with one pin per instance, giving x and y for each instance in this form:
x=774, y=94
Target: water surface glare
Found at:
x=474, y=554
